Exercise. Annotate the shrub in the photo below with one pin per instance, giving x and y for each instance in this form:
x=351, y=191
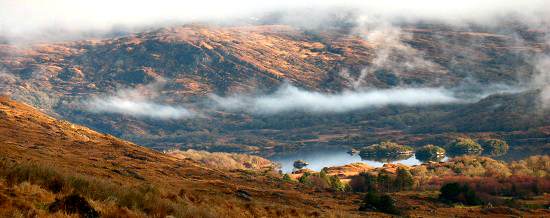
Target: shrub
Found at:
x=44, y=177
x=538, y=166
x=74, y=203
x=479, y=166
x=383, y=203
x=382, y=182
x=304, y=179
x=322, y=181
x=287, y=178
x=145, y=198
x=456, y=193
x=403, y=180
x=450, y=192
x=323, y=175
x=494, y=147
x=357, y=183
x=462, y=146
x=336, y=184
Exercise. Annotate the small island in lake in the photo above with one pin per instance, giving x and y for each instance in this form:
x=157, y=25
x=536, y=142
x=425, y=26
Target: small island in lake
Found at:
x=430, y=153
x=299, y=164
x=388, y=151
x=464, y=146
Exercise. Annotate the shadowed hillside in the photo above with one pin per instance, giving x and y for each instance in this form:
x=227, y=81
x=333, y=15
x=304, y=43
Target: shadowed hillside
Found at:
x=35, y=143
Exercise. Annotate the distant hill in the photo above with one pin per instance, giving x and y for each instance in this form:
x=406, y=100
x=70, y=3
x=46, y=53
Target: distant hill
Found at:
x=499, y=112
x=195, y=61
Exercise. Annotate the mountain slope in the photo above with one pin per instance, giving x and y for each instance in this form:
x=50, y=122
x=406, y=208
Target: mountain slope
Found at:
x=196, y=60
x=27, y=136
x=44, y=160
x=191, y=62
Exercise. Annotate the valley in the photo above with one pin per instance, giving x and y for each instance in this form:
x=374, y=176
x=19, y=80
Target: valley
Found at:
x=167, y=109
x=64, y=79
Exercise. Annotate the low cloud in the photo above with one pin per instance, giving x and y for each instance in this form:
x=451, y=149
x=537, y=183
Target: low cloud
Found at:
x=7, y=81
x=32, y=19
x=545, y=97
x=391, y=54
x=542, y=80
x=290, y=98
x=137, y=102
x=137, y=108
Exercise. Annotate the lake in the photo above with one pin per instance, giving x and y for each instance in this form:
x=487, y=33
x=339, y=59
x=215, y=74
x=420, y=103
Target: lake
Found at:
x=328, y=157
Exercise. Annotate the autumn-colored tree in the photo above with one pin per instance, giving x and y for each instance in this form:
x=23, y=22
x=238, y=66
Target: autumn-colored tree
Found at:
x=403, y=180
x=494, y=147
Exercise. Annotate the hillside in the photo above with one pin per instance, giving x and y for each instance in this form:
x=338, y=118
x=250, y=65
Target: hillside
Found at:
x=185, y=65
x=201, y=59
x=29, y=137
x=45, y=160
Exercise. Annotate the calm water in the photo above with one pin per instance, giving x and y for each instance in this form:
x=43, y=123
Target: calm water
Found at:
x=328, y=157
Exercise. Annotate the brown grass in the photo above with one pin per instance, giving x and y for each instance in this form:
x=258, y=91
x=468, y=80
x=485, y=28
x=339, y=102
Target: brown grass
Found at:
x=226, y=161
x=119, y=177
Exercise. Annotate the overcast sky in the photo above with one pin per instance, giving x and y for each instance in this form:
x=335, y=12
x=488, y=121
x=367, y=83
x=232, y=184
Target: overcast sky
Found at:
x=24, y=18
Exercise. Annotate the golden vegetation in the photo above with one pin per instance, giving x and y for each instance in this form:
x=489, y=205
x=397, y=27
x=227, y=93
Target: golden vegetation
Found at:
x=51, y=159
x=226, y=161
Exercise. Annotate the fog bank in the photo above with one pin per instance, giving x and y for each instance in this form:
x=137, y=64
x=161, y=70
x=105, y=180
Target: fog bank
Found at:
x=290, y=98
x=138, y=103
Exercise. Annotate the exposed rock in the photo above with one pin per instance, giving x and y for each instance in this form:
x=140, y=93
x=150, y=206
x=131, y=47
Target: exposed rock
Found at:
x=353, y=151
x=244, y=195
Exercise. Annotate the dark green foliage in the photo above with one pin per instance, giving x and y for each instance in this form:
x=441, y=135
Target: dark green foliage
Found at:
x=450, y=192
x=382, y=182
x=336, y=184
x=403, y=180
x=461, y=146
x=322, y=181
x=333, y=181
x=456, y=193
x=429, y=153
x=385, y=148
x=44, y=177
x=376, y=202
x=145, y=197
x=287, y=178
x=323, y=175
x=304, y=179
x=386, y=152
x=371, y=182
x=494, y=147
x=74, y=203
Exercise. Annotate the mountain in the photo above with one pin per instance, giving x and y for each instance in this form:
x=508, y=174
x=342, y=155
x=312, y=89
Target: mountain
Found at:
x=187, y=64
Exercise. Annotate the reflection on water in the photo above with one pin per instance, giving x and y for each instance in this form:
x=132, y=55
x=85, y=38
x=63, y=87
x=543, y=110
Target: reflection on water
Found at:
x=387, y=159
x=328, y=157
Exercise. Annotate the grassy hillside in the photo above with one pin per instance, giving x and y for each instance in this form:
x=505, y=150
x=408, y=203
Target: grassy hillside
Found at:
x=50, y=159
